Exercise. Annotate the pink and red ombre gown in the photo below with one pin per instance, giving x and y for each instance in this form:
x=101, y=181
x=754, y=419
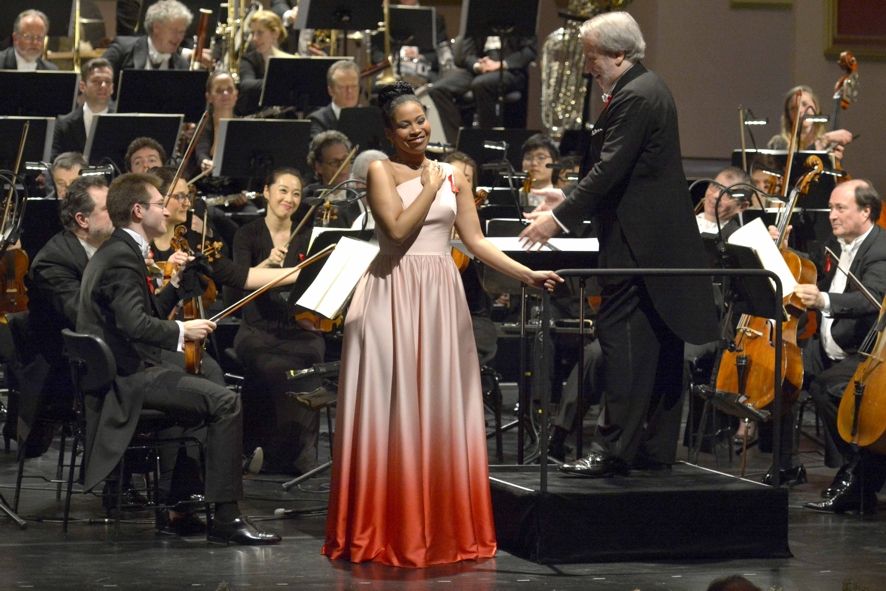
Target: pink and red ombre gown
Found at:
x=410, y=477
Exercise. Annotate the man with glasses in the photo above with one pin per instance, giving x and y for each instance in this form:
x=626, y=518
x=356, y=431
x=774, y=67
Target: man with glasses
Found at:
x=326, y=155
x=96, y=86
x=116, y=304
x=28, y=42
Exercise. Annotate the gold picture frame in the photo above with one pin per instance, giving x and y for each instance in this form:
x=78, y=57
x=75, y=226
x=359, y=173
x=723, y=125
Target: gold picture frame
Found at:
x=858, y=26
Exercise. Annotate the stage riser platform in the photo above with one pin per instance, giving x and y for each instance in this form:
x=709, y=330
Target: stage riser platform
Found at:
x=687, y=513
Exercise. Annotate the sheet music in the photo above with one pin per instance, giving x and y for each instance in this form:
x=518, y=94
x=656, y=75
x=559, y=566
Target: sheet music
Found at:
x=339, y=276
x=755, y=236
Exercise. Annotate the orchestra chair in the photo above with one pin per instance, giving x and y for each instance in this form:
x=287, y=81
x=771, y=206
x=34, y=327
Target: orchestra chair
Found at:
x=25, y=365
x=515, y=109
x=93, y=370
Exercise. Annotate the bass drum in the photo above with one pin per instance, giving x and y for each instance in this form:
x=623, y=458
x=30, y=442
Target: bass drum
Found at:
x=437, y=134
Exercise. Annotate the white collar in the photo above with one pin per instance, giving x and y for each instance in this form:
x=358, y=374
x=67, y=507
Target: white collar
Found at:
x=142, y=242
x=24, y=65
x=155, y=56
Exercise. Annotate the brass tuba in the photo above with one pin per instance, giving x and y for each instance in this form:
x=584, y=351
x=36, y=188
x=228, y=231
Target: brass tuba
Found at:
x=562, y=66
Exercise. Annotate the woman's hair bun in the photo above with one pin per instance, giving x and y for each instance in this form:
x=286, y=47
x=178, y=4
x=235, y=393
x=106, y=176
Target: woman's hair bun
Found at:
x=391, y=92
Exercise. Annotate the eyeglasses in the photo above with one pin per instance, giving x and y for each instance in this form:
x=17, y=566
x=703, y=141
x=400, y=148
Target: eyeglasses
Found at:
x=538, y=158
x=159, y=204
x=182, y=197
x=31, y=38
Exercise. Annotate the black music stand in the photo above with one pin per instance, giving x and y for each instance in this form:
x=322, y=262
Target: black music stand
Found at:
x=365, y=127
x=112, y=133
x=44, y=93
x=414, y=25
x=298, y=82
x=819, y=192
x=348, y=15
x=252, y=148
x=480, y=18
x=57, y=11
x=149, y=91
x=194, y=6
x=37, y=147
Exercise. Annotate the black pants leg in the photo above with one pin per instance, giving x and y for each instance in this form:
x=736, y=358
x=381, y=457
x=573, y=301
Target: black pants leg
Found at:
x=455, y=83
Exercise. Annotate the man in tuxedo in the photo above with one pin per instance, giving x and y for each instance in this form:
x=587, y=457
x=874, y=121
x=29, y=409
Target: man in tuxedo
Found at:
x=722, y=205
x=28, y=37
x=343, y=86
x=65, y=170
x=636, y=194
x=166, y=23
x=96, y=86
x=479, y=64
x=117, y=305
x=847, y=316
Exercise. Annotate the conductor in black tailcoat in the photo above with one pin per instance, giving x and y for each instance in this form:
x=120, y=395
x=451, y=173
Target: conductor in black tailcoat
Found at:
x=117, y=305
x=636, y=194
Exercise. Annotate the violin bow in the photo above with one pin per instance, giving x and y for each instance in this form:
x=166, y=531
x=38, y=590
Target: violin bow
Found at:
x=18, y=165
x=201, y=125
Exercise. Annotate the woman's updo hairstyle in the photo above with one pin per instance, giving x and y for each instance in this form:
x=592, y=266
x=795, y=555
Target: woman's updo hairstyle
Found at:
x=392, y=96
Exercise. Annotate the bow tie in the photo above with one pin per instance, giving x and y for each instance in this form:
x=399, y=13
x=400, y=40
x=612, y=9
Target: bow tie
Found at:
x=158, y=59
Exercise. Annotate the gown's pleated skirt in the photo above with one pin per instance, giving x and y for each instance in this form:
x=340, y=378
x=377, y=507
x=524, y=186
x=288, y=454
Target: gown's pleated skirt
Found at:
x=410, y=476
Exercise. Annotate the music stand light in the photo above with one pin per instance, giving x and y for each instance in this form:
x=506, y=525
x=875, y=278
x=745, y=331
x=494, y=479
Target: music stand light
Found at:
x=163, y=91
x=38, y=146
x=44, y=93
x=112, y=133
x=470, y=141
x=298, y=82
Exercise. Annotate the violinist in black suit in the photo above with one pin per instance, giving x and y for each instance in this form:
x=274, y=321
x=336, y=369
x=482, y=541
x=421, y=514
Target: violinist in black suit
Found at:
x=635, y=193
x=96, y=86
x=117, y=305
x=166, y=23
x=26, y=52
x=847, y=316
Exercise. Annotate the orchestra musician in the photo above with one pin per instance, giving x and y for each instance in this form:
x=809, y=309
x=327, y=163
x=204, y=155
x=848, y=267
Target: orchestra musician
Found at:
x=96, y=86
x=478, y=62
x=538, y=152
x=343, y=86
x=636, y=194
x=813, y=136
x=266, y=34
x=29, y=33
x=326, y=155
x=270, y=342
x=65, y=170
x=831, y=358
x=117, y=305
x=166, y=24
x=143, y=154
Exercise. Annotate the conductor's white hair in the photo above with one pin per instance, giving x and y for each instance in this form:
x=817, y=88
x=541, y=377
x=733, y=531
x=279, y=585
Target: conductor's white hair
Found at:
x=361, y=163
x=167, y=11
x=615, y=32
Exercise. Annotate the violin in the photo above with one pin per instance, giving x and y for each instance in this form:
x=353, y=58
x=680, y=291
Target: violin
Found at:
x=747, y=368
x=861, y=417
x=13, y=293
x=461, y=259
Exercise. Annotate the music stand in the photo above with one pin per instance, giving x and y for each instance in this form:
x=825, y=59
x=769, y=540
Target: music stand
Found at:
x=414, y=25
x=296, y=82
x=44, y=93
x=194, y=6
x=57, y=11
x=149, y=91
x=365, y=127
x=348, y=15
x=38, y=146
x=753, y=292
x=112, y=133
x=470, y=141
x=252, y=148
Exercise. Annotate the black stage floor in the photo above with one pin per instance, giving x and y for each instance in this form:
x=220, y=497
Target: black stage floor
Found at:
x=829, y=551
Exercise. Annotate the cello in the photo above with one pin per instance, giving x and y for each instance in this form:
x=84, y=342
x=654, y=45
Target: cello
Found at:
x=746, y=369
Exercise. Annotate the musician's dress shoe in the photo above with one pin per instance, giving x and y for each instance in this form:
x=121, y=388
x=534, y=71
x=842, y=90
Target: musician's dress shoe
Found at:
x=240, y=531
x=841, y=480
x=183, y=526
x=849, y=498
x=596, y=465
x=788, y=476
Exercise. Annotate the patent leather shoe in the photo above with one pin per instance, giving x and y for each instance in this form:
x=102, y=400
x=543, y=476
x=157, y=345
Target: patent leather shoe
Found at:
x=596, y=465
x=850, y=499
x=787, y=476
x=842, y=479
x=240, y=531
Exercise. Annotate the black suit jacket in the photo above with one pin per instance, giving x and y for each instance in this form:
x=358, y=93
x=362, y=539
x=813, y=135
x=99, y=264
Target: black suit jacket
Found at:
x=116, y=305
x=323, y=119
x=853, y=314
x=131, y=53
x=637, y=196
x=69, y=134
x=518, y=52
x=7, y=61
x=252, y=76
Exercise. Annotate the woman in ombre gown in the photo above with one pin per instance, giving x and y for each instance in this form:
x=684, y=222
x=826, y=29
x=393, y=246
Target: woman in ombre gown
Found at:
x=410, y=476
